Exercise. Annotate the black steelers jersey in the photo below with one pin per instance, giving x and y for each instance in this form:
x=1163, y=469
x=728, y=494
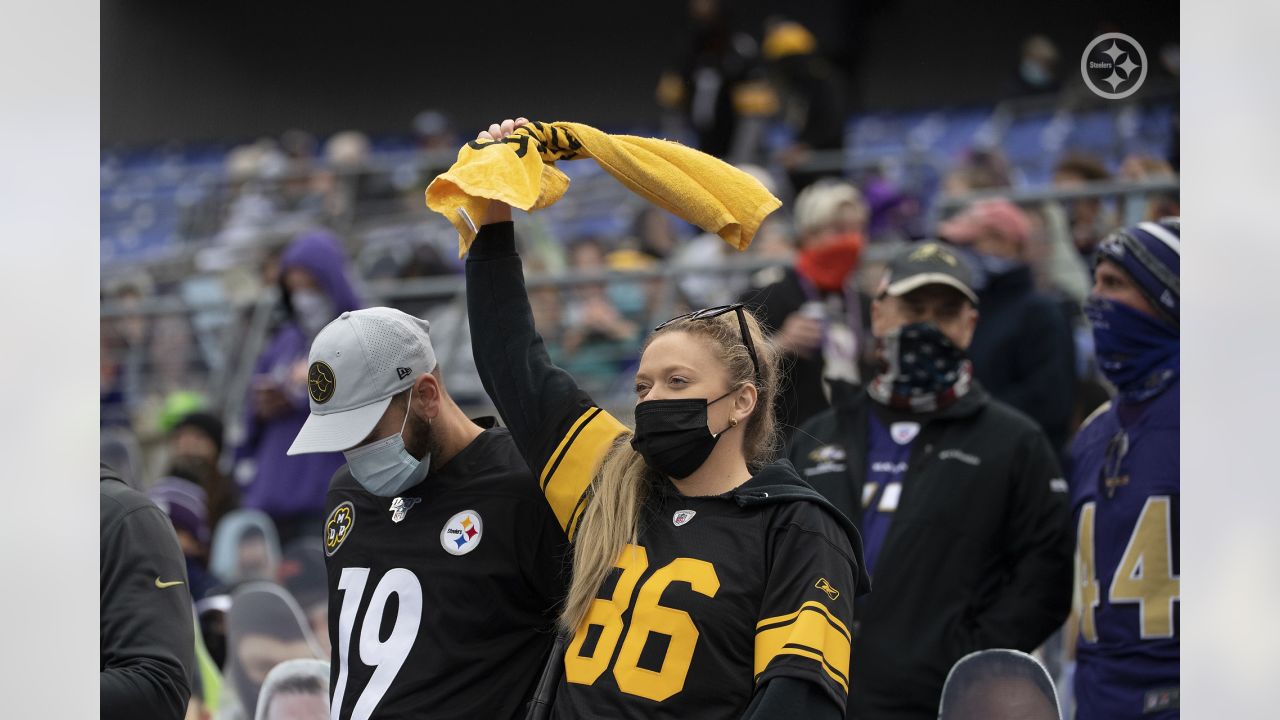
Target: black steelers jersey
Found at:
x=442, y=600
x=719, y=595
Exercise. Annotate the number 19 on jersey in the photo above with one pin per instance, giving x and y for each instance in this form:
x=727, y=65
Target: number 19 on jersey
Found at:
x=385, y=657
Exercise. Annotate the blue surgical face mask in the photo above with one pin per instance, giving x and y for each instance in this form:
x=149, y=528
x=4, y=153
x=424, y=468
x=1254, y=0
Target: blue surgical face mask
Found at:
x=985, y=267
x=1035, y=74
x=385, y=468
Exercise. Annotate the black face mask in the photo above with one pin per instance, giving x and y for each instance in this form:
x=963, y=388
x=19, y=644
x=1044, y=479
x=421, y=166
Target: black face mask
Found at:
x=672, y=435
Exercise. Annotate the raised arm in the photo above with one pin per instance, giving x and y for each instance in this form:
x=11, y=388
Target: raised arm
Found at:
x=559, y=430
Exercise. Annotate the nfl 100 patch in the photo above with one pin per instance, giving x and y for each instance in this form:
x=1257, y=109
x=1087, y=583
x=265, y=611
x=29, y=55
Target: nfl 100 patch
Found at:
x=401, y=506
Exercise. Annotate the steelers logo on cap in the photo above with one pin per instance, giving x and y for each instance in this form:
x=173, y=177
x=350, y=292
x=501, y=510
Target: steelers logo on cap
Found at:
x=320, y=382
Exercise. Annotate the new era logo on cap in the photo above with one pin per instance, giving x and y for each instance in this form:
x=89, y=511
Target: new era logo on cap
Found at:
x=358, y=363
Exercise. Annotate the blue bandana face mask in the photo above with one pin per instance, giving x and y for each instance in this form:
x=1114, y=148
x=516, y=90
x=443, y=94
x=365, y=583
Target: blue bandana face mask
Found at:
x=1138, y=353
x=385, y=468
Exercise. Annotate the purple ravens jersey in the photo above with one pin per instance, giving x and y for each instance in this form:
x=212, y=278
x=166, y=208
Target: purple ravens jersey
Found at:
x=887, y=457
x=1125, y=481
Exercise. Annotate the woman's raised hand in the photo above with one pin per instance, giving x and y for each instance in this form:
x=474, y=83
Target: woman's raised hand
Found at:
x=498, y=131
x=499, y=211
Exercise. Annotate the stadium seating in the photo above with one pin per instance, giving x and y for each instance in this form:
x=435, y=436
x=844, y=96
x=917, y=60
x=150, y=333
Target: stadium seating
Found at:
x=151, y=199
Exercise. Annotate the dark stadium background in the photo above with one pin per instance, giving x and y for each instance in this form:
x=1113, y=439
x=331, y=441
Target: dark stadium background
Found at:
x=232, y=71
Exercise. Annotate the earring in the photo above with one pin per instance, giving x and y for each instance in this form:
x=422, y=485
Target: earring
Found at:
x=733, y=422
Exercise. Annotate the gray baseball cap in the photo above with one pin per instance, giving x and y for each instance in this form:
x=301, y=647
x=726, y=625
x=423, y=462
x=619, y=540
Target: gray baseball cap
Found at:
x=358, y=363
x=929, y=263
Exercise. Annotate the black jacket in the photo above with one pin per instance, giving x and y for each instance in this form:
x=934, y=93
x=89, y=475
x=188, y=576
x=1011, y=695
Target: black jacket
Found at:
x=778, y=293
x=978, y=556
x=147, y=632
x=1022, y=350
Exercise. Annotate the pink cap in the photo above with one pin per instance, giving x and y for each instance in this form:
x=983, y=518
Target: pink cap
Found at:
x=998, y=215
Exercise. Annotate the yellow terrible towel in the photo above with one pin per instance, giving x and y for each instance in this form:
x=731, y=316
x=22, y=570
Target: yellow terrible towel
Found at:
x=520, y=171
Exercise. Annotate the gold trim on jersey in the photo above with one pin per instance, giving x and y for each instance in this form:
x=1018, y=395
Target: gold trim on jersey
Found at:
x=568, y=473
x=810, y=632
x=1097, y=413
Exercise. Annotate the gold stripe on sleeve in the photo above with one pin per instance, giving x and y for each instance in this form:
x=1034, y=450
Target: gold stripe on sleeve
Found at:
x=811, y=632
x=569, y=471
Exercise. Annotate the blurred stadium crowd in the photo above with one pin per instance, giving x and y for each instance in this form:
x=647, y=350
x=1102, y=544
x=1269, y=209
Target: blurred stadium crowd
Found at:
x=220, y=263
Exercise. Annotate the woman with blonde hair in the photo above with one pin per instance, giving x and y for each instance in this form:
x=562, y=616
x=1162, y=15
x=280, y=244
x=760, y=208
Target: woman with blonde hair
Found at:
x=708, y=580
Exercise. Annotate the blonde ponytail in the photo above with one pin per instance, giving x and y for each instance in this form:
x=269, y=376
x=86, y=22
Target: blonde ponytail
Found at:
x=610, y=521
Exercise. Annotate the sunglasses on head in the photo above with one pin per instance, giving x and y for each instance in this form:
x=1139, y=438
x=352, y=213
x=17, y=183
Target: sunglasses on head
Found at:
x=717, y=311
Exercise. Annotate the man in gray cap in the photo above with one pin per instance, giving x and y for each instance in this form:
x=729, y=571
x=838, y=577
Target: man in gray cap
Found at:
x=434, y=509
x=958, y=497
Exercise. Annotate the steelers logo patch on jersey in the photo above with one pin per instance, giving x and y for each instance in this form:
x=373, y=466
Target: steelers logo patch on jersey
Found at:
x=338, y=527
x=320, y=382
x=462, y=533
